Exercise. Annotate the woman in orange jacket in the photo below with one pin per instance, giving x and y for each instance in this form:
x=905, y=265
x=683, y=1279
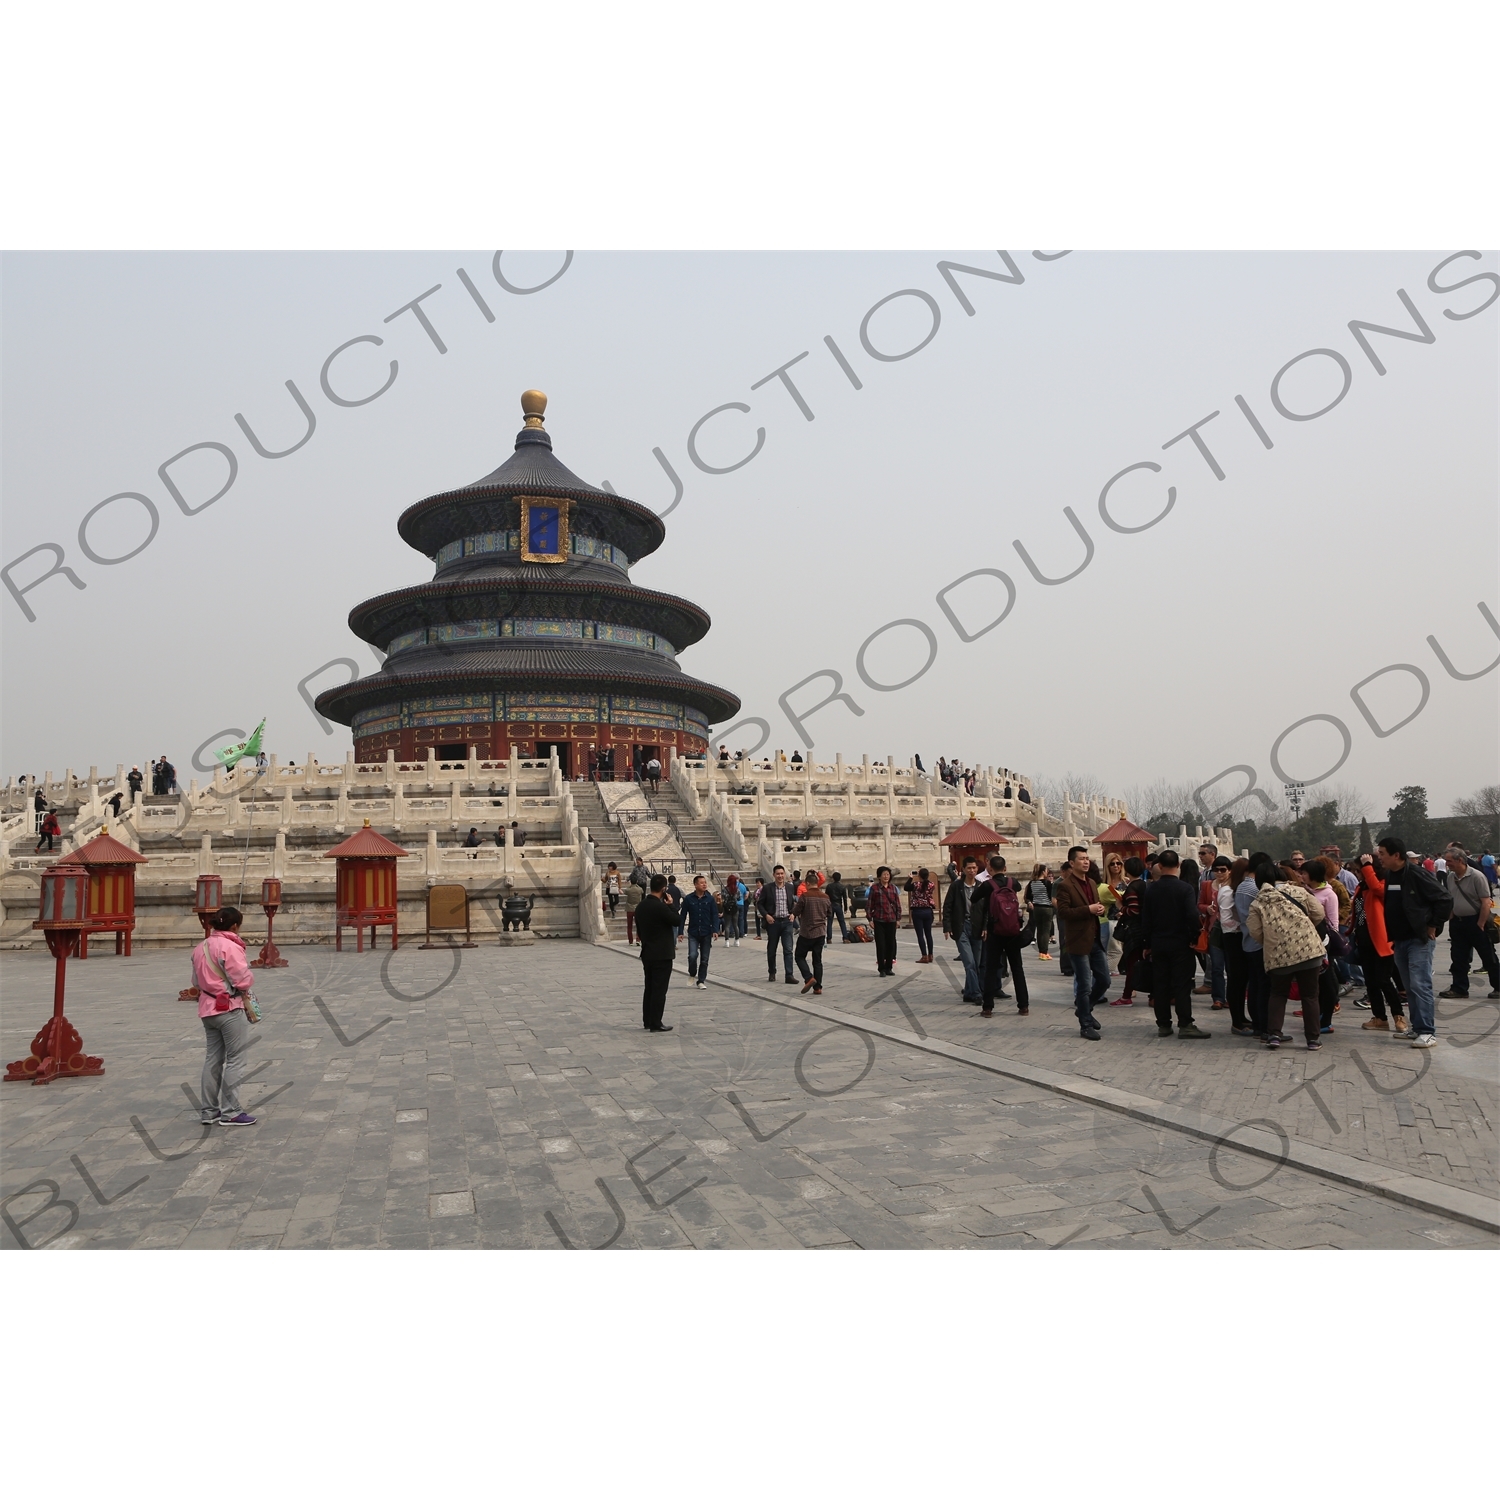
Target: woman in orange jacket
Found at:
x=1375, y=951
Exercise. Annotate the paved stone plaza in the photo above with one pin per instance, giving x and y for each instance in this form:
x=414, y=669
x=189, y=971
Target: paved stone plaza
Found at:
x=509, y=1098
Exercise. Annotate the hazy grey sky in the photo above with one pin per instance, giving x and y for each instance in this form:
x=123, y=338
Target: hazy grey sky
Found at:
x=1180, y=650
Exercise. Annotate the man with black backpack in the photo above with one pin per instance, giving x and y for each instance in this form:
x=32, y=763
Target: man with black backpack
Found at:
x=1169, y=927
x=997, y=904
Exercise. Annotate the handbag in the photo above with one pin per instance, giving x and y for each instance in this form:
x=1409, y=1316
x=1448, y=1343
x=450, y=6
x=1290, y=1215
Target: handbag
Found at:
x=251, y=1004
x=1200, y=943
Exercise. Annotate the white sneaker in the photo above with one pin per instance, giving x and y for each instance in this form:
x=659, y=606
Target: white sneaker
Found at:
x=1427, y=1039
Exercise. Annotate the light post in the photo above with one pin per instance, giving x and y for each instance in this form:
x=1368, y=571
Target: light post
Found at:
x=207, y=900
x=270, y=903
x=57, y=1049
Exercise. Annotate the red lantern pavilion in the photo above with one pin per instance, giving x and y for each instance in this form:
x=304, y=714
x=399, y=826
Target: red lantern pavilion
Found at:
x=973, y=841
x=111, y=905
x=365, y=893
x=1126, y=839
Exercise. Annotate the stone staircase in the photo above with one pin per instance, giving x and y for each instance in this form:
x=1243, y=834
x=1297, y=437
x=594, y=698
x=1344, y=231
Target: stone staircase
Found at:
x=609, y=844
x=609, y=840
x=706, y=851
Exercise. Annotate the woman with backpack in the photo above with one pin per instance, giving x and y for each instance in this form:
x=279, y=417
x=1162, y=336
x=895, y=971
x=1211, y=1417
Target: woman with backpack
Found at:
x=921, y=902
x=1284, y=920
x=997, y=903
x=224, y=979
x=733, y=908
x=1039, y=899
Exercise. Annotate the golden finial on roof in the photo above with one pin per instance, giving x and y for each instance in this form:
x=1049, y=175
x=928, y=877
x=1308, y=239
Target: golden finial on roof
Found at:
x=367, y=822
x=533, y=403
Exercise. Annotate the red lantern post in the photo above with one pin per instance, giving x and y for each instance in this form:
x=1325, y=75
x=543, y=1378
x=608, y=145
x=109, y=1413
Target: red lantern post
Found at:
x=270, y=903
x=57, y=1049
x=207, y=901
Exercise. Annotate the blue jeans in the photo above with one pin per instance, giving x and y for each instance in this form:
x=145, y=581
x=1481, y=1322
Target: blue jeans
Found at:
x=973, y=977
x=698, y=951
x=1414, y=964
x=780, y=931
x=921, y=922
x=734, y=922
x=1090, y=982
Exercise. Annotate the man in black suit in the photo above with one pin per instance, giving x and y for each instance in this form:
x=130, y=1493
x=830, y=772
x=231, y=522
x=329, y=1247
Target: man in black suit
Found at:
x=656, y=926
x=1169, y=927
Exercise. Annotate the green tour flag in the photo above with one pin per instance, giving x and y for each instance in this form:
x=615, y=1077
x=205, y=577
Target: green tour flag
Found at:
x=236, y=753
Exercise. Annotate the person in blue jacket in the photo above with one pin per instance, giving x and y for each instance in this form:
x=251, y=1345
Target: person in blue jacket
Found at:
x=735, y=896
x=700, y=921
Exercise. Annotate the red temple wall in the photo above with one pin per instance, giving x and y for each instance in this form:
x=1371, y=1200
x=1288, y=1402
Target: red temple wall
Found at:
x=495, y=741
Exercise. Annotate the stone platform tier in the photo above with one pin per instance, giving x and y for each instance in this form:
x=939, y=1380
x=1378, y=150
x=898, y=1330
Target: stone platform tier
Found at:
x=853, y=817
x=280, y=821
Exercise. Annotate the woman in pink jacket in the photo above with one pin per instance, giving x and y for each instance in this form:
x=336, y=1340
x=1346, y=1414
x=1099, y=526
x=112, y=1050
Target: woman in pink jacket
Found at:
x=223, y=977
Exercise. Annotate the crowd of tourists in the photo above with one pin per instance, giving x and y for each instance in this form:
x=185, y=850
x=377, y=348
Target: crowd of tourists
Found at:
x=959, y=776
x=1267, y=941
x=44, y=813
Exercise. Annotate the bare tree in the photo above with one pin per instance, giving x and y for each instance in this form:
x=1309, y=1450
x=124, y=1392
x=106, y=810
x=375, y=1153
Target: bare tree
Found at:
x=1485, y=803
x=1071, y=786
x=1353, y=804
x=1162, y=798
x=1482, y=809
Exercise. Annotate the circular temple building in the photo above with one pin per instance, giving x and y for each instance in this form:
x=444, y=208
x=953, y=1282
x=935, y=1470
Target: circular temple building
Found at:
x=530, y=635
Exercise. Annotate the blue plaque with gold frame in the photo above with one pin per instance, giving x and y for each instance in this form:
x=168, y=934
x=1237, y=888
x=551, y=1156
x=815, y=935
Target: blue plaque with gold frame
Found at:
x=544, y=530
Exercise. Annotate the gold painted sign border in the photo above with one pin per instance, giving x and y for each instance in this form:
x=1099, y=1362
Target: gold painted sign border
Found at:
x=562, y=507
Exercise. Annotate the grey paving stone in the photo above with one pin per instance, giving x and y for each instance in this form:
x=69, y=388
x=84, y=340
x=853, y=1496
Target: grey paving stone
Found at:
x=512, y=1101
